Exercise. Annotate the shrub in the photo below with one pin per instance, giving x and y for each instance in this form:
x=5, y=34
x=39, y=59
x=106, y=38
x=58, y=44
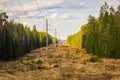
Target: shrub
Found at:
x=56, y=65
x=94, y=59
x=77, y=51
x=39, y=62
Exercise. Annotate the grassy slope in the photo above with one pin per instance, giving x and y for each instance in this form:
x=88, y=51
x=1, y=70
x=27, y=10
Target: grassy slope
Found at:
x=61, y=63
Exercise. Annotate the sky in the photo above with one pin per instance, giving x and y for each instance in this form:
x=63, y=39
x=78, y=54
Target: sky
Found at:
x=67, y=16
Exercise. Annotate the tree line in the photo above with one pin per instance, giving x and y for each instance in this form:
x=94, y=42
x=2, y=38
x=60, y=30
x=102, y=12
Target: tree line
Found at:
x=100, y=36
x=16, y=39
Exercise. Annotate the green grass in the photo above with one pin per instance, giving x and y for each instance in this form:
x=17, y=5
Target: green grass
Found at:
x=84, y=62
x=77, y=50
x=59, y=56
x=39, y=62
x=94, y=59
x=56, y=66
x=21, y=60
x=30, y=58
x=50, y=56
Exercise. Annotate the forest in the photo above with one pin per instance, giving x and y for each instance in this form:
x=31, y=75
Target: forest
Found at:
x=16, y=39
x=100, y=36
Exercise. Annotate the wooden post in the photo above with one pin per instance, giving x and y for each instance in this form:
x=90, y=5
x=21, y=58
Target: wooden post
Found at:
x=46, y=37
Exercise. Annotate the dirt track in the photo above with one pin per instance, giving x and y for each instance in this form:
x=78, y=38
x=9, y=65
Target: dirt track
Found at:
x=61, y=63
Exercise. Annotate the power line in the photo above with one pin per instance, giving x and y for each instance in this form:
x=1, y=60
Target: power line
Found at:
x=46, y=27
x=39, y=9
x=13, y=14
x=24, y=11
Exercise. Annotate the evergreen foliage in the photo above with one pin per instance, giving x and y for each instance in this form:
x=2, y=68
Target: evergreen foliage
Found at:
x=16, y=40
x=100, y=36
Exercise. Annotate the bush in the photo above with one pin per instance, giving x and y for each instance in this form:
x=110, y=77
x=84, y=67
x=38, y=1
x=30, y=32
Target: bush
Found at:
x=84, y=62
x=39, y=62
x=77, y=51
x=21, y=60
x=59, y=56
x=94, y=59
x=50, y=56
x=56, y=65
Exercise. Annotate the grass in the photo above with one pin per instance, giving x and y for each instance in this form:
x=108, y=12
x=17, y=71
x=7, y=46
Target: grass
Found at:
x=30, y=58
x=77, y=50
x=54, y=62
x=84, y=62
x=56, y=66
x=39, y=62
x=64, y=64
x=94, y=59
x=50, y=56
x=74, y=61
x=59, y=56
x=76, y=58
x=12, y=72
x=21, y=60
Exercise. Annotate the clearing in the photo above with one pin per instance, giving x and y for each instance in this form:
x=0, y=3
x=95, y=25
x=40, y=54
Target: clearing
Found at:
x=61, y=63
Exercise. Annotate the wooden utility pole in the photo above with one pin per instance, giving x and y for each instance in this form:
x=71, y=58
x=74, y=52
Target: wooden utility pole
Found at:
x=55, y=37
x=46, y=37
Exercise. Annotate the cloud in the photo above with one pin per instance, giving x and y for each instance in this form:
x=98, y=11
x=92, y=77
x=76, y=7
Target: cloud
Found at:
x=63, y=4
x=52, y=9
x=54, y=15
x=74, y=4
x=32, y=13
x=31, y=5
x=22, y=16
x=110, y=3
x=39, y=17
x=49, y=4
x=68, y=16
x=65, y=16
x=56, y=4
x=5, y=1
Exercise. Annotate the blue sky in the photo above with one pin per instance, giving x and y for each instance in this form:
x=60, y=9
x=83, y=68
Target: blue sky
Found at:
x=66, y=15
